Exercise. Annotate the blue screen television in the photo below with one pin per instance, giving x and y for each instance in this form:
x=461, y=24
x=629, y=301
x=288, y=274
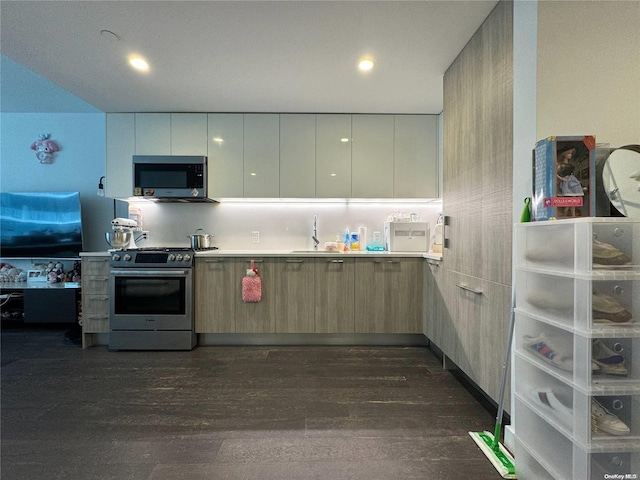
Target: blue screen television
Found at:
x=40, y=225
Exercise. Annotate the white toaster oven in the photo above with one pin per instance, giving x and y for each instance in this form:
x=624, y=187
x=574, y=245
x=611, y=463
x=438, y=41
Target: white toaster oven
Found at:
x=406, y=236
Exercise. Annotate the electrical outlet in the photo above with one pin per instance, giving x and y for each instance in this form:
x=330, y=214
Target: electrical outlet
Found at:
x=144, y=235
x=255, y=236
x=377, y=237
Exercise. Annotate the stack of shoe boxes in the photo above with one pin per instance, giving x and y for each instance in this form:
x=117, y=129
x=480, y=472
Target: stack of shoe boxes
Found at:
x=576, y=365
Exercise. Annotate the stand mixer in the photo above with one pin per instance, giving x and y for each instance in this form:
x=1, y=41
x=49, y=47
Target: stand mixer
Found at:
x=123, y=233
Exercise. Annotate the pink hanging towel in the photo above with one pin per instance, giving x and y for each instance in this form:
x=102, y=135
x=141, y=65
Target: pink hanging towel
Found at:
x=252, y=285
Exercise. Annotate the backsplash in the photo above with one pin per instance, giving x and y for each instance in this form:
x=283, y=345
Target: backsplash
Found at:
x=281, y=225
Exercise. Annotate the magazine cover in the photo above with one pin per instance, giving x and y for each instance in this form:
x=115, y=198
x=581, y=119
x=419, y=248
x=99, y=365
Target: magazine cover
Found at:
x=564, y=178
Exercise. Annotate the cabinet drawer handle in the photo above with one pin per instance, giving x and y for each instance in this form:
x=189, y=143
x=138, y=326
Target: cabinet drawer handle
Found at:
x=386, y=261
x=256, y=261
x=433, y=262
x=335, y=261
x=217, y=260
x=295, y=261
x=469, y=289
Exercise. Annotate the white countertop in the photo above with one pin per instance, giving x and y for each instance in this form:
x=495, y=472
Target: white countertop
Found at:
x=311, y=253
x=296, y=253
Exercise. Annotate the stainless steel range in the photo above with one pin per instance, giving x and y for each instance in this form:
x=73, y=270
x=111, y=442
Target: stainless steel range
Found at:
x=151, y=301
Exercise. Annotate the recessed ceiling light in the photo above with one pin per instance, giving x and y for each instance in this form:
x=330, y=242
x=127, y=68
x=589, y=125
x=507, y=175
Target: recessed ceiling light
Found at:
x=344, y=140
x=218, y=139
x=366, y=64
x=109, y=35
x=333, y=174
x=139, y=63
x=253, y=174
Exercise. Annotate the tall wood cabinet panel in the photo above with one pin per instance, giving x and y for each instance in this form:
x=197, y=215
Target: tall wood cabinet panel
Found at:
x=297, y=155
x=259, y=317
x=434, y=322
x=334, y=295
x=261, y=155
x=120, y=147
x=333, y=156
x=188, y=134
x=226, y=152
x=477, y=199
x=294, y=295
x=388, y=293
x=215, y=293
x=95, y=294
x=153, y=133
x=372, y=156
x=415, y=166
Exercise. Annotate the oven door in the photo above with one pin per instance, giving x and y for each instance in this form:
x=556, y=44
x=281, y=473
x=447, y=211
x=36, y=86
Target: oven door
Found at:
x=151, y=299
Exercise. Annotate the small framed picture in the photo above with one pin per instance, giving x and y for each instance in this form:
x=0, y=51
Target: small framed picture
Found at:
x=36, y=276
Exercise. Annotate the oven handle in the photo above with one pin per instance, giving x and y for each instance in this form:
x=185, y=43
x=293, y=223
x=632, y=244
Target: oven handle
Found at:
x=149, y=273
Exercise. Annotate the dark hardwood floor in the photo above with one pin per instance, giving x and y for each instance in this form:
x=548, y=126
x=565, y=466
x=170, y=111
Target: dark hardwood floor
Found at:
x=233, y=413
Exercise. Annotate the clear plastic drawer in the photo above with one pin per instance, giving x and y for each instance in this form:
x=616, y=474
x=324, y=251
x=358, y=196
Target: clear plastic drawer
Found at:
x=591, y=420
x=570, y=459
x=598, y=364
x=579, y=245
x=602, y=303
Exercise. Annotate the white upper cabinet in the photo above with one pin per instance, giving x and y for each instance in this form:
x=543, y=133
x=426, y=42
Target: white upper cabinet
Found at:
x=297, y=155
x=415, y=167
x=372, y=156
x=333, y=156
x=120, y=144
x=261, y=155
x=189, y=134
x=225, y=155
x=284, y=155
x=153, y=133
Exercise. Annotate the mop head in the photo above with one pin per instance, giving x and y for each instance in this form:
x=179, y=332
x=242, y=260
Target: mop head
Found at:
x=499, y=457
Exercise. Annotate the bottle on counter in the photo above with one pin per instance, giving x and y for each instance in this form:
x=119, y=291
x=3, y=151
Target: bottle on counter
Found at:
x=362, y=238
x=347, y=241
x=355, y=244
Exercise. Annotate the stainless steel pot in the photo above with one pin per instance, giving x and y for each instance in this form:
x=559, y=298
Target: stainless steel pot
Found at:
x=200, y=241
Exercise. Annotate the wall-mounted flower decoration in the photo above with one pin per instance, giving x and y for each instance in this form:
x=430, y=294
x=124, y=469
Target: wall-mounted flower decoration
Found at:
x=45, y=148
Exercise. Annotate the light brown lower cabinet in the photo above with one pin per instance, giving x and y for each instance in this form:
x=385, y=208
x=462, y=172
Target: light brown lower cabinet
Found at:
x=294, y=295
x=215, y=290
x=311, y=295
x=470, y=326
x=334, y=295
x=259, y=317
x=388, y=295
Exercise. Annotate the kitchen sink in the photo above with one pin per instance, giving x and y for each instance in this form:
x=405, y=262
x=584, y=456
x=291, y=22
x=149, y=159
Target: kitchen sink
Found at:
x=320, y=252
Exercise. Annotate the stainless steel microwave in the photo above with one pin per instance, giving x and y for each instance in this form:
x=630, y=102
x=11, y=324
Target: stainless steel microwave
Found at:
x=171, y=178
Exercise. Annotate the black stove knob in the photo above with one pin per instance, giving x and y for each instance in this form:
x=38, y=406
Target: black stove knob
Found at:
x=179, y=257
x=171, y=257
x=127, y=257
x=187, y=257
x=116, y=257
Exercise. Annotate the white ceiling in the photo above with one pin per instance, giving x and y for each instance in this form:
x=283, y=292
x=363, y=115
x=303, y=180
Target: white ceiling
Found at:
x=241, y=56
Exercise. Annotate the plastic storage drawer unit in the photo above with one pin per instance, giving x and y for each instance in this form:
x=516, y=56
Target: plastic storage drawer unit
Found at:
x=589, y=361
x=568, y=459
x=604, y=302
x=578, y=245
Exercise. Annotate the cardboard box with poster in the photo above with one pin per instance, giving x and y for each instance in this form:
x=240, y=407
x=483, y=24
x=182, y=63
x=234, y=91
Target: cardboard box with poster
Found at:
x=564, y=178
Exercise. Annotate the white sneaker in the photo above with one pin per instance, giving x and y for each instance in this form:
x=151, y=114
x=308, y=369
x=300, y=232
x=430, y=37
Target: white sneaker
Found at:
x=603, y=421
x=544, y=350
x=547, y=400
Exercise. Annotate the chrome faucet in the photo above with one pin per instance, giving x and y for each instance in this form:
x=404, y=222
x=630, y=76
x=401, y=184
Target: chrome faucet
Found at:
x=315, y=233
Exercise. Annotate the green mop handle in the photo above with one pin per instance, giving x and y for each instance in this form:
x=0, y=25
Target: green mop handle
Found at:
x=505, y=367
